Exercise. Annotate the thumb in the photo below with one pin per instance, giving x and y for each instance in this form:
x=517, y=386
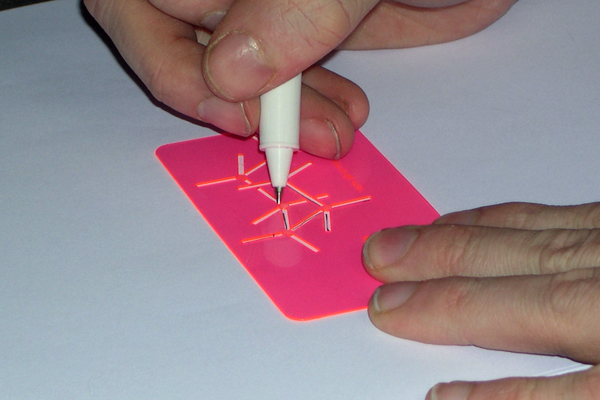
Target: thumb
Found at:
x=583, y=385
x=261, y=44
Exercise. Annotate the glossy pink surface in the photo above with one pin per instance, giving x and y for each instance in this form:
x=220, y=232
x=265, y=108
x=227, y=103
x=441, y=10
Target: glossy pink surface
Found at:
x=306, y=253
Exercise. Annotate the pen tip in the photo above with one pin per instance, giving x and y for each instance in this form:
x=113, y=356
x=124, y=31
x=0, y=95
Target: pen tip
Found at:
x=278, y=191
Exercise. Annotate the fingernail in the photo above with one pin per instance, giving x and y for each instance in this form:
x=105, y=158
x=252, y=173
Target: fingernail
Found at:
x=202, y=36
x=235, y=67
x=212, y=19
x=450, y=391
x=387, y=247
x=459, y=218
x=389, y=297
x=230, y=117
x=319, y=137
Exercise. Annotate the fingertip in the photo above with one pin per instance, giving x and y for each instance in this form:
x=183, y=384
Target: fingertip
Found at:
x=358, y=107
x=320, y=138
x=235, y=67
x=348, y=96
x=393, y=307
x=373, y=309
x=212, y=19
x=391, y=296
x=450, y=391
x=325, y=130
x=351, y=99
x=387, y=247
x=366, y=252
x=252, y=113
x=346, y=139
x=236, y=118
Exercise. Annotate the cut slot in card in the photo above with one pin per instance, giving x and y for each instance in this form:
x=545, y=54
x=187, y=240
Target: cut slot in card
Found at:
x=306, y=252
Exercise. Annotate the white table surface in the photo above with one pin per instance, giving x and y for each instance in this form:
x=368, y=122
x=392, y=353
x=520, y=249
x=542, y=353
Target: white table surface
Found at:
x=112, y=286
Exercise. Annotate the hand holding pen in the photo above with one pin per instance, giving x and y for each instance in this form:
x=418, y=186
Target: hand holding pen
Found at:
x=526, y=276
x=258, y=45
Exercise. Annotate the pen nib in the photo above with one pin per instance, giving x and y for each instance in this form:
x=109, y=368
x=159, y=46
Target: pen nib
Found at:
x=278, y=191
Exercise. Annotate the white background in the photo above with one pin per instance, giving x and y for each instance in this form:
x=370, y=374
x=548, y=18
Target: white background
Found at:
x=112, y=286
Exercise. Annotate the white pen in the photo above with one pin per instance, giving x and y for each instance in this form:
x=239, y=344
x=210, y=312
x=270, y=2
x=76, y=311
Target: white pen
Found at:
x=279, y=130
x=279, y=125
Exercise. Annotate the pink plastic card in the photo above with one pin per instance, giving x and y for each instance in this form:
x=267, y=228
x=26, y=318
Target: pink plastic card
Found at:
x=305, y=253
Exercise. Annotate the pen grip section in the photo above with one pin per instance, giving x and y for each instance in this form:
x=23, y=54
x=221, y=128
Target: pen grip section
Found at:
x=280, y=115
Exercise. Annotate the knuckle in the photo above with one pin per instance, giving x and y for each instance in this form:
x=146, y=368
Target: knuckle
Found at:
x=459, y=302
x=458, y=298
x=570, y=312
x=591, y=216
x=457, y=250
x=321, y=24
x=569, y=290
x=566, y=249
x=155, y=76
x=162, y=78
x=521, y=215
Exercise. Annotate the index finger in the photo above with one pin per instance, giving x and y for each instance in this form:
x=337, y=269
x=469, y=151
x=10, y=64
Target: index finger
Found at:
x=528, y=216
x=436, y=251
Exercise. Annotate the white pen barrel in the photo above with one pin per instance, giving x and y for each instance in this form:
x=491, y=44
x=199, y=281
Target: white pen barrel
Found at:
x=280, y=115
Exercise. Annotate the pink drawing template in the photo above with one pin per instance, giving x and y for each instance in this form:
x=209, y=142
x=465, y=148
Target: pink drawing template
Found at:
x=306, y=252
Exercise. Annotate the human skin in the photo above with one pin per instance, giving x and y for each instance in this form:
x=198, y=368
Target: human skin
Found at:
x=259, y=44
x=517, y=277
x=533, y=267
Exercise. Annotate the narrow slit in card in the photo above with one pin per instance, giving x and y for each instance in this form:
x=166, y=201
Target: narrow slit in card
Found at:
x=306, y=252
